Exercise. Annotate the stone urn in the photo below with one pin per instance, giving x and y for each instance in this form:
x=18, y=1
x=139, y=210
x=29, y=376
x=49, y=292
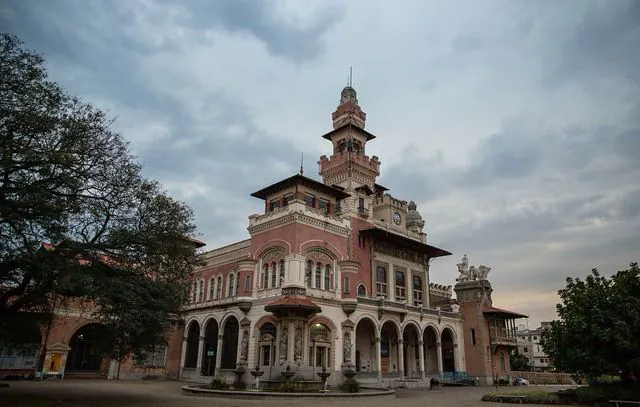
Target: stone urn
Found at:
x=323, y=375
x=256, y=373
x=239, y=372
x=349, y=373
x=287, y=374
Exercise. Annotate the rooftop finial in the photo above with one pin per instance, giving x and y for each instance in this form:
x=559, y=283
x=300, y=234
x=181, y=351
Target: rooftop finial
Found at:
x=302, y=164
x=350, y=77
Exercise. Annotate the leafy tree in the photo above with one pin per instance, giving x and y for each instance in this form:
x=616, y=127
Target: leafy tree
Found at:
x=519, y=362
x=599, y=328
x=78, y=221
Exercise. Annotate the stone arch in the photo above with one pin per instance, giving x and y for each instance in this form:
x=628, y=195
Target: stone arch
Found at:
x=227, y=316
x=230, y=328
x=190, y=321
x=91, y=345
x=273, y=245
x=390, y=335
x=371, y=318
x=448, y=346
x=265, y=346
x=193, y=339
x=210, y=332
x=411, y=340
x=271, y=265
x=452, y=332
x=395, y=323
x=320, y=319
x=331, y=251
x=430, y=339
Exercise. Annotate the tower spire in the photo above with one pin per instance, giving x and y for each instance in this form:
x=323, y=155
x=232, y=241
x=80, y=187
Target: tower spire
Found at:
x=350, y=77
x=302, y=163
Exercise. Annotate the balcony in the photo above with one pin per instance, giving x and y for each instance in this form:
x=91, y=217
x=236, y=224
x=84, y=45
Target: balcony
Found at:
x=298, y=211
x=501, y=337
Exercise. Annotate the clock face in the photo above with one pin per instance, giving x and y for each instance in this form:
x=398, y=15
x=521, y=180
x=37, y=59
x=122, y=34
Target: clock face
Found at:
x=396, y=218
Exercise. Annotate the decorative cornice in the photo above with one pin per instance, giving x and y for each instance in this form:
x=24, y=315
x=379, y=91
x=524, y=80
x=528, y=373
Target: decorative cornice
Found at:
x=297, y=217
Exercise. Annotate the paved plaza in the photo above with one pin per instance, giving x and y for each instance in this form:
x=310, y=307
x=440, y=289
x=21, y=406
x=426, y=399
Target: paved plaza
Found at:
x=102, y=393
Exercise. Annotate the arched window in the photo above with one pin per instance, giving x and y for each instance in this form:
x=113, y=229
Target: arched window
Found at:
x=281, y=272
x=201, y=291
x=362, y=290
x=274, y=275
x=212, y=287
x=219, y=288
x=307, y=273
x=318, y=275
x=265, y=276
x=327, y=276
x=232, y=285
x=319, y=345
x=194, y=292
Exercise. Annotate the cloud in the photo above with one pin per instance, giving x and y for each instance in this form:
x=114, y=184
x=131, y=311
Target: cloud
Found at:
x=514, y=126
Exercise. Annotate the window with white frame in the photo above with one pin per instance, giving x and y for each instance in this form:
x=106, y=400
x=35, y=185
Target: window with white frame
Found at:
x=381, y=280
x=401, y=286
x=274, y=275
x=417, y=290
x=281, y=278
x=212, y=288
x=318, y=276
x=232, y=285
x=307, y=273
x=265, y=275
x=327, y=277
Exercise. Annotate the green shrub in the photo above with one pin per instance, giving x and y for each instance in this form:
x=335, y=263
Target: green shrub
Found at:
x=601, y=394
x=351, y=386
x=287, y=387
x=218, y=384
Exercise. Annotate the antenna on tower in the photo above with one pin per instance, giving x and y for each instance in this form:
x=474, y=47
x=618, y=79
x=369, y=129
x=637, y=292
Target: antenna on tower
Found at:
x=302, y=164
x=350, y=76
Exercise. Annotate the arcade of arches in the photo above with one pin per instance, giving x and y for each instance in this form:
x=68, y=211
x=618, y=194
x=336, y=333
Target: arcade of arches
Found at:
x=380, y=350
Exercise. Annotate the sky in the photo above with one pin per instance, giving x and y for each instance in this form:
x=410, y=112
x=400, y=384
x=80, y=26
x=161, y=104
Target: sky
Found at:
x=514, y=125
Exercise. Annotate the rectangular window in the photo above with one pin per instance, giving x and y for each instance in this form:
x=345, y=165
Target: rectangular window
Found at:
x=273, y=205
x=525, y=350
x=308, y=199
x=287, y=198
x=361, y=205
x=400, y=286
x=266, y=355
x=417, y=290
x=247, y=282
x=323, y=205
x=345, y=285
x=381, y=280
x=338, y=207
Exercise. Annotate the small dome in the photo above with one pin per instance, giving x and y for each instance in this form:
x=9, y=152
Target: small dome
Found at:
x=348, y=94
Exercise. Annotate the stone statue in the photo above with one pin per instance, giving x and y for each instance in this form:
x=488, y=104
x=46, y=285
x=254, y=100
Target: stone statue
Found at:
x=463, y=269
x=347, y=347
x=483, y=272
x=284, y=339
x=244, y=345
x=298, y=344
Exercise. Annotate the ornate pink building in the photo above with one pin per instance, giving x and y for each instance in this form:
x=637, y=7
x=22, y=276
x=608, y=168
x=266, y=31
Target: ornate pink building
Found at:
x=333, y=274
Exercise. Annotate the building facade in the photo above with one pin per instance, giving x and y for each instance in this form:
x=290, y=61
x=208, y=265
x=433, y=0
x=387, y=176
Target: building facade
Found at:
x=334, y=274
x=530, y=345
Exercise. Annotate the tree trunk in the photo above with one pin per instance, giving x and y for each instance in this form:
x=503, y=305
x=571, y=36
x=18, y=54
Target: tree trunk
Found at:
x=118, y=372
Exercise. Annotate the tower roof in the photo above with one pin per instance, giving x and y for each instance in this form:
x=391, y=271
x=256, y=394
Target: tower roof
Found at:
x=355, y=128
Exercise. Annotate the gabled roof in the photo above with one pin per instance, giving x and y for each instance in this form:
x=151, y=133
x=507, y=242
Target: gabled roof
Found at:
x=300, y=180
x=384, y=234
x=352, y=127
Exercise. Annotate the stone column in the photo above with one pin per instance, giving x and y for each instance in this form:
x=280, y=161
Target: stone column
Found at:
x=219, y=354
x=200, y=351
x=439, y=354
x=456, y=358
x=379, y=358
x=183, y=355
x=294, y=270
x=421, y=357
x=401, y=357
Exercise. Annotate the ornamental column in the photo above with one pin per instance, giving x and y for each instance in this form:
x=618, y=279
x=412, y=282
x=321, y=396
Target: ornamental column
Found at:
x=421, y=357
x=379, y=358
x=439, y=352
x=401, y=357
x=183, y=355
x=200, y=351
x=219, y=354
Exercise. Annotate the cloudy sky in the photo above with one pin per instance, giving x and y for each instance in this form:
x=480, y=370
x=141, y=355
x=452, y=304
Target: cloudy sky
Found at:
x=514, y=125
